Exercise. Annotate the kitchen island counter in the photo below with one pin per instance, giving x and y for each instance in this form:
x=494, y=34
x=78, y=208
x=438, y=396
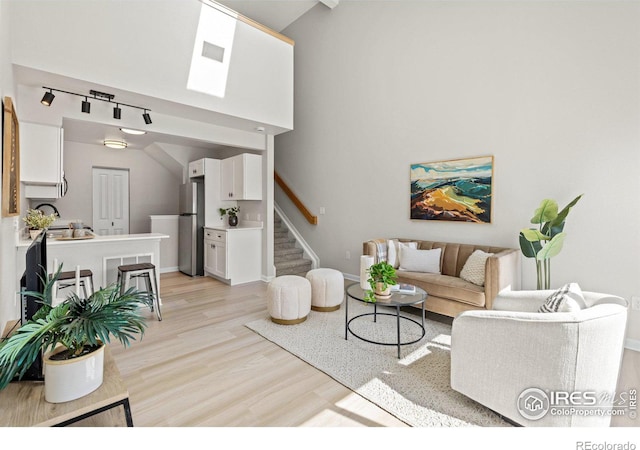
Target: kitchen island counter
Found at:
x=101, y=254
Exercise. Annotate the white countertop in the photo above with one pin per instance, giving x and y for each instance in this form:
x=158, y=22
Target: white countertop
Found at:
x=243, y=225
x=98, y=239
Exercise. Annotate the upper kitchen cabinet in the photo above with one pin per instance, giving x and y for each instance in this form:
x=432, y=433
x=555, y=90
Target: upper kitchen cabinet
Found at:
x=241, y=177
x=41, y=157
x=197, y=168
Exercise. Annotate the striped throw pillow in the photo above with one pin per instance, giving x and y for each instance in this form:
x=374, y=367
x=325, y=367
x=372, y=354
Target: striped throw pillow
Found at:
x=566, y=299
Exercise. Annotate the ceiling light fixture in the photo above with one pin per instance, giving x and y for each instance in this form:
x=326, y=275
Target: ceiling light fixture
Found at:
x=113, y=143
x=131, y=131
x=95, y=95
x=86, y=106
x=47, y=98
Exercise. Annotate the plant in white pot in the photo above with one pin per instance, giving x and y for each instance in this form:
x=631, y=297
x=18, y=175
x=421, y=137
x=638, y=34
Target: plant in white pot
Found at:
x=72, y=336
x=37, y=221
x=382, y=276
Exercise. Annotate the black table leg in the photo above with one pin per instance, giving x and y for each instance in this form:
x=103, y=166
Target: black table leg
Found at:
x=398, y=326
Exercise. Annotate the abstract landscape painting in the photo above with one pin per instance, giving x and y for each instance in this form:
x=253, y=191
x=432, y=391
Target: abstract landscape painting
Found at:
x=457, y=190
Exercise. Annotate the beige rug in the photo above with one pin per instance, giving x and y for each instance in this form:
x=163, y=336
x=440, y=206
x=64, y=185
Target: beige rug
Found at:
x=414, y=388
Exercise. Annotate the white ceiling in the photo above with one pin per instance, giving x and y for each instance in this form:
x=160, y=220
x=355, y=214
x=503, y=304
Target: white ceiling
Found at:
x=275, y=14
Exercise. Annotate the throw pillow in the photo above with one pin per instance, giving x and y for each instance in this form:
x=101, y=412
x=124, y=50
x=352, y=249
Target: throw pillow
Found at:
x=473, y=270
x=416, y=260
x=568, y=298
x=393, y=251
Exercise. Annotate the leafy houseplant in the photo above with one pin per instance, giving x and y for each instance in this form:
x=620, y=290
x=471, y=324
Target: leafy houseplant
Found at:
x=37, y=220
x=545, y=241
x=81, y=325
x=382, y=276
x=232, y=213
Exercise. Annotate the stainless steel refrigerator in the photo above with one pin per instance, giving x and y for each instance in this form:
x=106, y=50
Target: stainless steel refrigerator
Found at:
x=191, y=229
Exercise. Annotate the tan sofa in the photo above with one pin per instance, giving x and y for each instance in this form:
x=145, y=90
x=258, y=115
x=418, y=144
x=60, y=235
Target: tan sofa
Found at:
x=448, y=293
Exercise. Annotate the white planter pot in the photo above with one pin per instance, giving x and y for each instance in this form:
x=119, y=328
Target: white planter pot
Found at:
x=74, y=378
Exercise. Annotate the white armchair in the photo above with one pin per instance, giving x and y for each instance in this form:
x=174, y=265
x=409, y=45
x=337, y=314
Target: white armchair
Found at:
x=498, y=354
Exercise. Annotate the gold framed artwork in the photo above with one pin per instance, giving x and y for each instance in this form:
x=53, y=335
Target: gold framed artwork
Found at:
x=459, y=190
x=10, y=161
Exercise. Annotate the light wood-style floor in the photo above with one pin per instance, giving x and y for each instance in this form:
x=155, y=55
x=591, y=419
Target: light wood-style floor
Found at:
x=201, y=367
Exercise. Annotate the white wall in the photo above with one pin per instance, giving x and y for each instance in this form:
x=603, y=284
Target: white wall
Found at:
x=146, y=46
x=7, y=230
x=550, y=89
x=153, y=190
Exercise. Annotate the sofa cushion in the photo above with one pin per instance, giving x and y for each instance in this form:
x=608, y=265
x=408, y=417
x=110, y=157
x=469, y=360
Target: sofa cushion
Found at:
x=474, y=269
x=568, y=298
x=393, y=251
x=420, y=260
x=445, y=286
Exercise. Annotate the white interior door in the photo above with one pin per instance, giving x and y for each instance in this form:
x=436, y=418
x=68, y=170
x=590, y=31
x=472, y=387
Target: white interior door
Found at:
x=110, y=201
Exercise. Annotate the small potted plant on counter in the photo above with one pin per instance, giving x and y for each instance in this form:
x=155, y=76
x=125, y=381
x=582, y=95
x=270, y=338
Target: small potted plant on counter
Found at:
x=232, y=213
x=382, y=276
x=37, y=221
x=72, y=336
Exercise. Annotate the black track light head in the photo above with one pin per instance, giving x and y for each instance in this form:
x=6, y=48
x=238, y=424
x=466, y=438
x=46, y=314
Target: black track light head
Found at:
x=47, y=99
x=146, y=117
x=86, y=106
x=117, y=112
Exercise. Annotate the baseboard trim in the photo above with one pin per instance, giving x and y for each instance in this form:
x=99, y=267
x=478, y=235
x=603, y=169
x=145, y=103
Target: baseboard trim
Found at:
x=632, y=344
x=350, y=276
x=168, y=269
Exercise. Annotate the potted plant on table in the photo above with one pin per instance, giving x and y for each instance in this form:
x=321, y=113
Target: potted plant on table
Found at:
x=382, y=276
x=37, y=221
x=232, y=213
x=72, y=336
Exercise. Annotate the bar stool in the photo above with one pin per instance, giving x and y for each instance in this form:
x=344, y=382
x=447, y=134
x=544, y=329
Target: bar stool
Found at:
x=68, y=279
x=142, y=270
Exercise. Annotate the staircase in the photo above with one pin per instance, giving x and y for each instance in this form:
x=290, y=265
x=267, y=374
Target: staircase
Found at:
x=288, y=259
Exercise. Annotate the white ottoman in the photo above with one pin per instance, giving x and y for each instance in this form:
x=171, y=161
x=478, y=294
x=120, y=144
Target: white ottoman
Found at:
x=289, y=299
x=327, y=289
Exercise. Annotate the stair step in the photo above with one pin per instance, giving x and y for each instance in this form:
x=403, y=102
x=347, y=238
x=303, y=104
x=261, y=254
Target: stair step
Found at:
x=283, y=240
x=280, y=234
x=289, y=251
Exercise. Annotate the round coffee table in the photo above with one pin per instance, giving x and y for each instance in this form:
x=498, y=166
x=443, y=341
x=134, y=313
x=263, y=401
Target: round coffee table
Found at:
x=397, y=300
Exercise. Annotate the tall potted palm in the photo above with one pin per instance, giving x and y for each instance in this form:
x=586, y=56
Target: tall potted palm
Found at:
x=72, y=336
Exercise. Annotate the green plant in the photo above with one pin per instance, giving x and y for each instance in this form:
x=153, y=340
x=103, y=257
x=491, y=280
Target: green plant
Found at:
x=545, y=241
x=77, y=323
x=37, y=220
x=230, y=211
x=383, y=273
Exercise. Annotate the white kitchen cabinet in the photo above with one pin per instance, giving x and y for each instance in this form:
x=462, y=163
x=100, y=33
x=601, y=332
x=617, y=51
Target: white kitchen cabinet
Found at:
x=41, y=160
x=233, y=255
x=241, y=177
x=215, y=252
x=197, y=168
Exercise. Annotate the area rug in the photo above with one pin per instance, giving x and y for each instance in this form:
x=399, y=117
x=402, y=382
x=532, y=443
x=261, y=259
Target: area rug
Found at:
x=414, y=388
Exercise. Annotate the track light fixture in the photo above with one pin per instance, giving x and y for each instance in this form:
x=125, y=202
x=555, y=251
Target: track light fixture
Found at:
x=96, y=95
x=86, y=106
x=47, y=98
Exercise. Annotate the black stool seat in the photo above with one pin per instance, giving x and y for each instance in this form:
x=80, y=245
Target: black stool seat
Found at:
x=71, y=275
x=136, y=267
x=68, y=279
x=146, y=271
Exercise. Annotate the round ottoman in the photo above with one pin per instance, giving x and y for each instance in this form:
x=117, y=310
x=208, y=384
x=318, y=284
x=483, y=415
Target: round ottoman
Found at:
x=327, y=289
x=289, y=299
